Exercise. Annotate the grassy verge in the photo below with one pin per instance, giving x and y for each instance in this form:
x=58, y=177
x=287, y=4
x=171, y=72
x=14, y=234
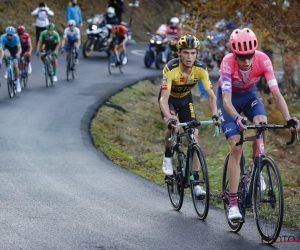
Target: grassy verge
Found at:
x=129, y=130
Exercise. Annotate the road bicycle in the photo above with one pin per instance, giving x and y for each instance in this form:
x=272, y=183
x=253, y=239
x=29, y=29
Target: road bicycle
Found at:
x=115, y=59
x=24, y=70
x=71, y=66
x=48, y=67
x=268, y=204
x=11, y=81
x=183, y=166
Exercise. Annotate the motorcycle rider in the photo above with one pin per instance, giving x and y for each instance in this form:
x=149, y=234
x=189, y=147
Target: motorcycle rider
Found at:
x=110, y=17
x=173, y=34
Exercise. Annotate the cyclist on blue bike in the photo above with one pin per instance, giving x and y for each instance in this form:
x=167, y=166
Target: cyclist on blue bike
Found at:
x=72, y=34
x=10, y=43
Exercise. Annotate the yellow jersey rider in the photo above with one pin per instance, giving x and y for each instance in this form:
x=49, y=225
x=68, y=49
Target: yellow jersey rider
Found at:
x=180, y=75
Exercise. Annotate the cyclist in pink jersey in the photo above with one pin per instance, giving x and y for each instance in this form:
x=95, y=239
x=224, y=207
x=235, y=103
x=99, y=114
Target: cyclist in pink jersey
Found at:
x=239, y=73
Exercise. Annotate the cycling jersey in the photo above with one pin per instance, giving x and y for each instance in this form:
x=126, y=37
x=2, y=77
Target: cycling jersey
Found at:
x=232, y=79
x=173, y=31
x=13, y=42
x=173, y=78
x=25, y=40
x=121, y=31
x=72, y=35
x=52, y=39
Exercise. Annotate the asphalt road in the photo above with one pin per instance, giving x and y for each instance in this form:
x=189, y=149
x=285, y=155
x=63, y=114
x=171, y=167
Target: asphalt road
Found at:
x=58, y=192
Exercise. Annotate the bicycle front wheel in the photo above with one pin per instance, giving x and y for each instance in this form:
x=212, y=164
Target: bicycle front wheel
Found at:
x=10, y=85
x=112, y=61
x=175, y=183
x=269, y=208
x=68, y=67
x=197, y=161
x=121, y=66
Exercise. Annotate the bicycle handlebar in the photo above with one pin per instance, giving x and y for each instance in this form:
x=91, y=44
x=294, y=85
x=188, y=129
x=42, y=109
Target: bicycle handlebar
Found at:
x=265, y=127
x=194, y=124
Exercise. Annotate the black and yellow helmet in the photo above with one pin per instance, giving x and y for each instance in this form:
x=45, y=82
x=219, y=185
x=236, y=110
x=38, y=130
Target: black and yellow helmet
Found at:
x=188, y=42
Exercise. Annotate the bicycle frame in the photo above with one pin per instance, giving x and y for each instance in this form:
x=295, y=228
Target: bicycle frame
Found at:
x=11, y=67
x=189, y=134
x=260, y=153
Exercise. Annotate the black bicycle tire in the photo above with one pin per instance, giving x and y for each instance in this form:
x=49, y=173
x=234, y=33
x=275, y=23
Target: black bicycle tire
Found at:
x=74, y=65
x=178, y=179
x=121, y=62
x=112, y=54
x=202, y=216
x=25, y=79
x=68, y=66
x=46, y=72
x=266, y=238
x=9, y=85
x=234, y=227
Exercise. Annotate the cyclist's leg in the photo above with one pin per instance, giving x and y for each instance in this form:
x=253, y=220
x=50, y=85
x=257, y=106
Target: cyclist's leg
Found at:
x=28, y=58
x=167, y=159
x=76, y=45
x=13, y=52
x=255, y=111
x=123, y=48
x=6, y=55
x=232, y=135
x=68, y=48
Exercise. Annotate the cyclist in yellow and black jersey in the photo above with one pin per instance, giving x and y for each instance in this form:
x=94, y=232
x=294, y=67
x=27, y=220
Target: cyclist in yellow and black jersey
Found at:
x=180, y=75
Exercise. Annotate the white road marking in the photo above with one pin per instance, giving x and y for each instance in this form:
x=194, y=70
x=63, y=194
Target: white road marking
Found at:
x=138, y=52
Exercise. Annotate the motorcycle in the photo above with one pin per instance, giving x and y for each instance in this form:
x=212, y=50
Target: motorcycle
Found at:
x=155, y=52
x=97, y=36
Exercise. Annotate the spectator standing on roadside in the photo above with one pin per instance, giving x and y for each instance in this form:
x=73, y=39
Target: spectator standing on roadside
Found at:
x=42, y=12
x=118, y=5
x=73, y=12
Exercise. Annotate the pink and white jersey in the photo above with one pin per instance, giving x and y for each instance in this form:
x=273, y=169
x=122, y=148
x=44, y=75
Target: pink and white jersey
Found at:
x=232, y=79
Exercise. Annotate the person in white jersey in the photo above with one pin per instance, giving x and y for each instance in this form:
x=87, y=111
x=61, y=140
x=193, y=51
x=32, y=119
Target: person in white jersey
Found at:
x=72, y=36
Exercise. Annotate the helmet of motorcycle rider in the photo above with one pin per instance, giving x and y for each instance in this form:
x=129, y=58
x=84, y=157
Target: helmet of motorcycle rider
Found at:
x=243, y=41
x=71, y=22
x=174, y=21
x=21, y=30
x=188, y=42
x=110, y=12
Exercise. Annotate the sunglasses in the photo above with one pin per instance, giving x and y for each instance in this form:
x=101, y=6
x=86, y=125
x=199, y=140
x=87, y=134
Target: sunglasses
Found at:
x=9, y=35
x=245, y=57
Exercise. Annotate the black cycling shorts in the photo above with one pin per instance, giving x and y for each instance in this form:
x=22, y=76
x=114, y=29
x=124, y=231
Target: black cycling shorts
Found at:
x=183, y=107
x=13, y=51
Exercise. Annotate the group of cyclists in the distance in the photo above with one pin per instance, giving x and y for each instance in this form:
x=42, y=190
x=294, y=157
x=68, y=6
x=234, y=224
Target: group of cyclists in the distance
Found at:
x=16, y=43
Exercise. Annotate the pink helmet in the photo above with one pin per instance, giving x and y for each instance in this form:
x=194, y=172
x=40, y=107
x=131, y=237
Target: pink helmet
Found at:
x=243, y=41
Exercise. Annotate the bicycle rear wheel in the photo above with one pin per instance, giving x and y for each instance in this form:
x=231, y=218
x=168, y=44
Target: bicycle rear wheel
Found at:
x=175, y=183
x=201, y=204
x=269, y=211
x=25, y=74
x=234, y=227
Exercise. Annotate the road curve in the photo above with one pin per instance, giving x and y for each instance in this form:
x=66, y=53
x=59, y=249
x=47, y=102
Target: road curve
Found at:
x=59, y=192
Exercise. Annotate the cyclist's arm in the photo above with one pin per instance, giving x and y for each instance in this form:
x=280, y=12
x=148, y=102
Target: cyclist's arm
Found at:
x=208, y=88
x=78, y=37
x=19, y=49
x=56, y=36
x=212, y=99
x=165, y=92
x=65, y=37
x=266, y=64
x=30, y=45
x=281, y=103
x=38, y=46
